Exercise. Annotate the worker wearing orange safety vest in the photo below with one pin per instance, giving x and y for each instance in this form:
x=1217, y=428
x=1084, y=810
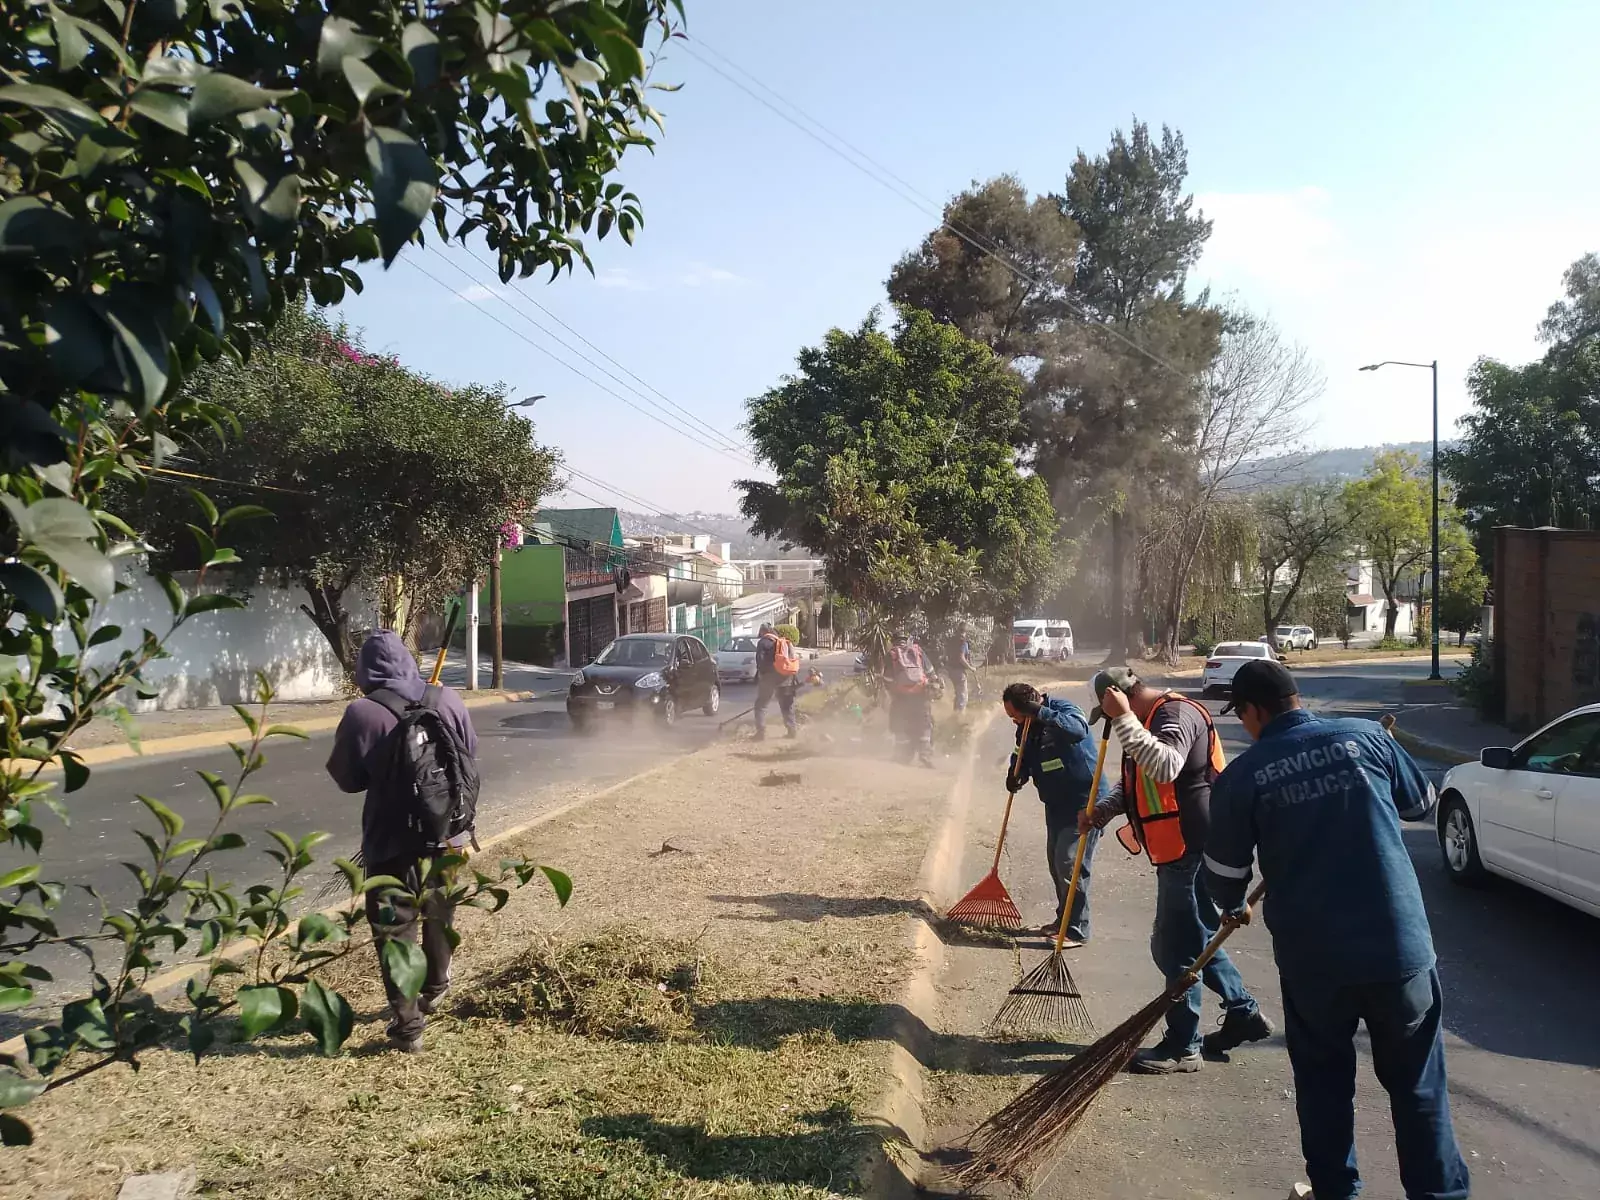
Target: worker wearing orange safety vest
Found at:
x=1171, y=754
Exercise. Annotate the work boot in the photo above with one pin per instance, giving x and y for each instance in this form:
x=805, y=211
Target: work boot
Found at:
x=1160, y=1060
x=791, y=734
x=1235, y=1029
x=399, y=1041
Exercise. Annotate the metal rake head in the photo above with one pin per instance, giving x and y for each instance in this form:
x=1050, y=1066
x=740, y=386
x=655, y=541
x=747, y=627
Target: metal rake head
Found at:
x=1046, y=1000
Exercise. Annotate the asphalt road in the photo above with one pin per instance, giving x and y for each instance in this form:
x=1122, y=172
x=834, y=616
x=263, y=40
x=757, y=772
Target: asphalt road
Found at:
x=529, y=759
x=1520, y=973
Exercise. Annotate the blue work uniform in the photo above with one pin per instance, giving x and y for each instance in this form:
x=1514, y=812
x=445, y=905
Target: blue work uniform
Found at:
x=1320, y=802
x=1059, y=759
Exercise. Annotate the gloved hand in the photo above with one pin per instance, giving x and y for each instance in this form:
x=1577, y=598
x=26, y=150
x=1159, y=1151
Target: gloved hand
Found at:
x=1014, y=782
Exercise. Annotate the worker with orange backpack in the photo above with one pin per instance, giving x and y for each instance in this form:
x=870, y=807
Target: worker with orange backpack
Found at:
x=1171, y=755
x=777, y=677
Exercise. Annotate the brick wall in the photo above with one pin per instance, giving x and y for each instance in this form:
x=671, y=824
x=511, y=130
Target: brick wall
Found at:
x=1547, y=621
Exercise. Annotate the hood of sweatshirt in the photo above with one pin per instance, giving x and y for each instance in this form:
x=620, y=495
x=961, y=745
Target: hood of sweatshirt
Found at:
x=385, y=662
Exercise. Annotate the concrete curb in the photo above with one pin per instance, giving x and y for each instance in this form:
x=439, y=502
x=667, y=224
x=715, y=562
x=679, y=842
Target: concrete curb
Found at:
x=1437, y=751
x=891, y=1169
x=210, y=739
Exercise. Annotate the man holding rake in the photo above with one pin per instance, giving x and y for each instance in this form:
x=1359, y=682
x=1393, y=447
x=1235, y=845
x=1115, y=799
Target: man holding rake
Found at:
x=1170, y=755
x=1059, y=758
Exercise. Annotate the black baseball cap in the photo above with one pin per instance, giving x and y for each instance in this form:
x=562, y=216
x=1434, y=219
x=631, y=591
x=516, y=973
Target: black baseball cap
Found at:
x=1261, y=682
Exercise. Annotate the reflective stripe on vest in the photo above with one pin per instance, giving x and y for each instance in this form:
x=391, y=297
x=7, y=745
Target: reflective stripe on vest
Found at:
x=1153, y=806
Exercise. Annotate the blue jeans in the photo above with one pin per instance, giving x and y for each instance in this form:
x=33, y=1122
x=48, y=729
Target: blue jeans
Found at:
x=768, y=689
x=1185, y=920
x=1404, y=1021
x=1061, y=845
x=958, y=683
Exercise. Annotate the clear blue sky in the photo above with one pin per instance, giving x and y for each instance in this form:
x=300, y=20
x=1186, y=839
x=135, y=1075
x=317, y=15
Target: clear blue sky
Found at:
x=1388, y=180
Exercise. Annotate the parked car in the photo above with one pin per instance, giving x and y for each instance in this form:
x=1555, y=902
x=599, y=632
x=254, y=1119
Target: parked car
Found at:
x=1036, y=637
x=736, y=661
x=1294, y=637
x=661, y=673
x=1226, y=658
x=1530, y=812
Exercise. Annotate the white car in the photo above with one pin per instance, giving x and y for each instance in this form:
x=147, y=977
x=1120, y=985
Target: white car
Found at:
x=1226, y=658
x=736, y=661
x=1530, y=812
x=1294, y=637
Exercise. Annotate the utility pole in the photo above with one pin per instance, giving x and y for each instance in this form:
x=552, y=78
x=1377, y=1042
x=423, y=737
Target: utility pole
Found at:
x=497, y=658
x=1434, y=601
x=1433, y=618
x=472, y=637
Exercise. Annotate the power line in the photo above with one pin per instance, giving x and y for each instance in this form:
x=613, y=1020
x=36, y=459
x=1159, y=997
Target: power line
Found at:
x=689, y=414
x=411, y=260
x=885, y=178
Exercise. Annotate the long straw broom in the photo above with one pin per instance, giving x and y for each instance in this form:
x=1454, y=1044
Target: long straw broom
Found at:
x=1047, y=999
x=988, y=903
x=358, y=859
x=1016, y=1141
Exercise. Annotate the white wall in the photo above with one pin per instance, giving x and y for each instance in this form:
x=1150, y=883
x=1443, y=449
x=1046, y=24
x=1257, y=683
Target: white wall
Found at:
x=213, y=658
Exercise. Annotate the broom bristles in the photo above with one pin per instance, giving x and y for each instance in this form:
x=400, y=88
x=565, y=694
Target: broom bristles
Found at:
x=1012, y=1144
x=1046, y=1000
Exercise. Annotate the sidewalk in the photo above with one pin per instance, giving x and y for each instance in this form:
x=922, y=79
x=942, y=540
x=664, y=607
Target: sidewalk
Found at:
x=1435, y=723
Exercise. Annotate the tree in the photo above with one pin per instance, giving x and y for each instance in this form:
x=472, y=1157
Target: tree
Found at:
x=894, y=463
x=1529, y=453
x=999, y=268
x=173, y=179
x=180, y=174
x=1303, y=531
x=375, y=473
x=1391, y=516
x=1114, y=402
x=1462, y=585
x=1252, y=402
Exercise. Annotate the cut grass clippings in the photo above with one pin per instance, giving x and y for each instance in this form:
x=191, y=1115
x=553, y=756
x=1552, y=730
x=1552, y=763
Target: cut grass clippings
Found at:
x=710, y=1023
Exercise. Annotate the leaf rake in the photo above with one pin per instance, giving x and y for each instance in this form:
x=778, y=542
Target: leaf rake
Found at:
x=988, y=904
x=1047, y=999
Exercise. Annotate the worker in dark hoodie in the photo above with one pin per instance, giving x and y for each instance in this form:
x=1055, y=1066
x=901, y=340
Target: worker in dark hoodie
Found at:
x=359, y=762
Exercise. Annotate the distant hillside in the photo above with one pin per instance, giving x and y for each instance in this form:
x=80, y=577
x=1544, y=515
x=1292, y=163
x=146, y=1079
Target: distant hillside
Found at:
x=723, y=527
x=1339, y=464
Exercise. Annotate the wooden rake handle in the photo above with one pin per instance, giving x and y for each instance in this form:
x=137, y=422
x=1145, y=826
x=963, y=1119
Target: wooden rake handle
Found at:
x=1016, y=769
x=444, y=646
x=1083, y=840
x=1229, y=924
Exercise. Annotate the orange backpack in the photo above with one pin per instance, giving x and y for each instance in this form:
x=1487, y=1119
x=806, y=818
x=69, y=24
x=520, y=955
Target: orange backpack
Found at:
x=785, y=658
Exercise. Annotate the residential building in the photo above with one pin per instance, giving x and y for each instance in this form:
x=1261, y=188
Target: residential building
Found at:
x=781, y=574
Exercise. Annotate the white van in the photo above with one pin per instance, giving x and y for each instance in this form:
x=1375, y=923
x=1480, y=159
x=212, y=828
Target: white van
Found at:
x=1039, y=637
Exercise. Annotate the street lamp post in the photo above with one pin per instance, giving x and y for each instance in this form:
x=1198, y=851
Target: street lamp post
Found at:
x=1433, y=602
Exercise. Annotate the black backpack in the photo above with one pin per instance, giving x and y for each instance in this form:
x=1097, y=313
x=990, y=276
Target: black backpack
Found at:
x=432, y=779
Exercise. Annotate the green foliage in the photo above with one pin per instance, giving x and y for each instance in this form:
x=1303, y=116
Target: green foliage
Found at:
x=176, y=176
x=1304, y=531
x=962, y=285
x=895, y=464
x=788, y=631
x=1479, y=683
x=1391, y=509
x=374, y=472
x=1529, y=452
x=1462, y=585
x=174, y=179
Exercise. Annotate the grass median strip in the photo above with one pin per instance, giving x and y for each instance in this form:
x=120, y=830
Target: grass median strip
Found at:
x=710, y=1022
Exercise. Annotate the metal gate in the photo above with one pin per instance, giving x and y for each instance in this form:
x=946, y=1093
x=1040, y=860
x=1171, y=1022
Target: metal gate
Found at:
x=591, y=627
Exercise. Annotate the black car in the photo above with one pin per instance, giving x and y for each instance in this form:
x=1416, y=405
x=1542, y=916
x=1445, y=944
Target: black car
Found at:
x=663, y=673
